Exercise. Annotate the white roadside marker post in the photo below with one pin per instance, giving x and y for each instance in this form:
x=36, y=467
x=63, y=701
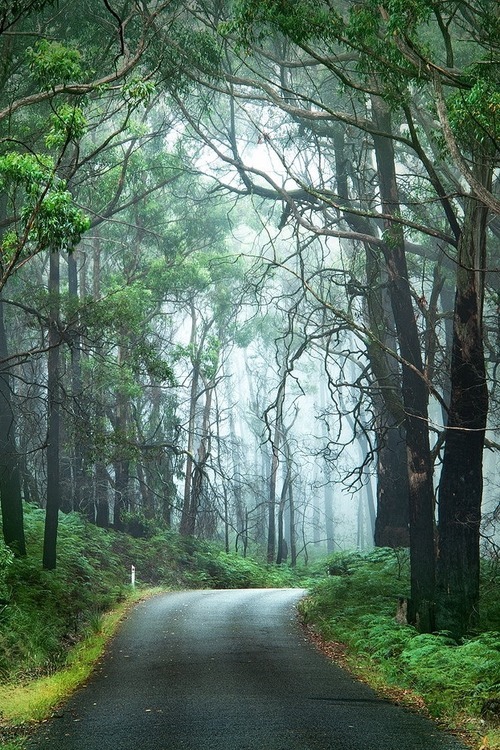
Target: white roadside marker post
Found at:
x=132, y=576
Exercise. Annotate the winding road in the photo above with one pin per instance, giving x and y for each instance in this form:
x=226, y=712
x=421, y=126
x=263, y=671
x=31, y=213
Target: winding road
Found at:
x=227, y=670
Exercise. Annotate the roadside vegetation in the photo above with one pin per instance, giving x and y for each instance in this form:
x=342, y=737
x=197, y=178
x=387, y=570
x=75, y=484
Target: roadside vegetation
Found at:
x=54, y=625
x=352, y=614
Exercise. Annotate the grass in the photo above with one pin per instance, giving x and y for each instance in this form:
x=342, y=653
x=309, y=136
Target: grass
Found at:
x=353, y=613
x=54, y=625
x=34, y=700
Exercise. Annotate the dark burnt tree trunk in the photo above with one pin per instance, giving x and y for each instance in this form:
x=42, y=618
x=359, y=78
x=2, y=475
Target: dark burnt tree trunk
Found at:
x=282, y=550
x=197, y=499
x=10, y=479
x=414, y=388
x=54, y=421
x=188, y=520
x=393, y=508
x=273, y=479
x=460, y=488
x=391, y=525
x=101, y=497
x=292, y=533
x=188, y=513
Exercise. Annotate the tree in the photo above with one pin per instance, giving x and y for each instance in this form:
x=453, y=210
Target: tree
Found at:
x=10, y=480
x=379, y=56
x=53, y=420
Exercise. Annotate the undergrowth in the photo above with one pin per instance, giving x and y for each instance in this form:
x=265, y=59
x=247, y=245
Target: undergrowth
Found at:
x=356, y=605
x=45, y=613
x=45, y=616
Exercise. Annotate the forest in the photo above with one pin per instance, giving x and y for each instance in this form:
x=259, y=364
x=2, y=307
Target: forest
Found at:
x=249, y=290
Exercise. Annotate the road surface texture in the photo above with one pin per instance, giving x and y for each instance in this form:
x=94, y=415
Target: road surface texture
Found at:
x=227, y=670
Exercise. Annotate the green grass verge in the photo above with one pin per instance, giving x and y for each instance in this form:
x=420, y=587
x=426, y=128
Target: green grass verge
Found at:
x=55, y=624
x=24, y=704
x=458, y=683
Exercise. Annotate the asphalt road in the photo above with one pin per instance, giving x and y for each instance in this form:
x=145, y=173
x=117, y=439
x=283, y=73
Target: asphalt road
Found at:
x=227, y=670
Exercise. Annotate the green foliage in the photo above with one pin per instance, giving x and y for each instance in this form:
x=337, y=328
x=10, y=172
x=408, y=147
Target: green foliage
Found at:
x=146, y=358
x=67, y=124
x=302, y=21
x=356, y=604
x=446, y=672
x=186, y=277
x=54, y=221
x=122, y=309
x=49, y=611
x=57, y=224
x=12, y=11
x=190, y=50
x=489, y=605
x=138, y=91
x=30, y=171
x=6, y=560
x=53, y=63
x=404, y=16
x=208, y=566
x=475, y=115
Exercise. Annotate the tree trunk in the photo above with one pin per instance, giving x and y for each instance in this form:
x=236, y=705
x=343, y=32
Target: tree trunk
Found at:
x=391, y=527
x=271, y=515
x=460, y=488
x=204, y=448
x=282, y=552
x=10, y=479
x=121, y=504
x=101, y=496
x=54, y=421
x=327, y=471
x=414, y=389
x=291, y=519
x=392, y=521
x=188, y=522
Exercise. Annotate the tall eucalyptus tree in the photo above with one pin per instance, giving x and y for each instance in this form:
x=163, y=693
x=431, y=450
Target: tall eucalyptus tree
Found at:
x=393, y=65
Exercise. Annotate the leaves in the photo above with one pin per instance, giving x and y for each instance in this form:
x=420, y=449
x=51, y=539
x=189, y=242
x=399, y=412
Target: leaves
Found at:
x=31, y=171
x=475, y=115
x=138, y=91
x=54, y=63
x=68, y=123
x=57, y=223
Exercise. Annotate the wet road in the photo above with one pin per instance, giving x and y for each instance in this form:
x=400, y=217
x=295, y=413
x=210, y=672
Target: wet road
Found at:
x=227, y=670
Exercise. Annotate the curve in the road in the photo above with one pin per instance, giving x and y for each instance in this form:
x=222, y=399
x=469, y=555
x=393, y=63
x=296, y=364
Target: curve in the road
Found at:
x=228, y=670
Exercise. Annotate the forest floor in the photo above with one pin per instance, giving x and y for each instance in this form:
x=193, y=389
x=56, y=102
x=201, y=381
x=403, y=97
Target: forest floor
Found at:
x=56, y=624
x=338, y=653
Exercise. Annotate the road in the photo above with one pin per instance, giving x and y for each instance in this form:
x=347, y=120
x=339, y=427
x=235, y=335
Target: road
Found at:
x=227, y=670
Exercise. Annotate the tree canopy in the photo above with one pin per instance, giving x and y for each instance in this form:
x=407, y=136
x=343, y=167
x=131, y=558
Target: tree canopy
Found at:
x=247, y=261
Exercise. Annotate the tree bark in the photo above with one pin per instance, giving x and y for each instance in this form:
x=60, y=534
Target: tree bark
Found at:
x=101, y=496
x=188, y=522
x=273, y=479
x=10, y=479
x=392, y=521
x=54, y=421
x=204, y=448
x=391, y=524
x=414, y=389
x=461, y=483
